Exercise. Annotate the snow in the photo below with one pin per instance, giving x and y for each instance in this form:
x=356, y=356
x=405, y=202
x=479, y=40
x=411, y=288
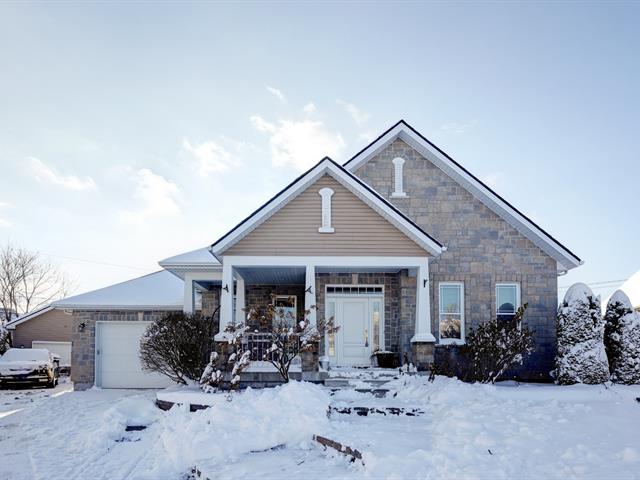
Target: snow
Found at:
x=620, y=297
x=157, y=290
x=26, y=354
x=632, y=288
x=501, y=431
x=198, y=256
x=577, y=291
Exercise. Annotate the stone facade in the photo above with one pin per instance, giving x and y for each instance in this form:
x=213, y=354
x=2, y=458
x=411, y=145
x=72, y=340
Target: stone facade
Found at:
x=83, y=340
x=258, y=296
x=482, y=249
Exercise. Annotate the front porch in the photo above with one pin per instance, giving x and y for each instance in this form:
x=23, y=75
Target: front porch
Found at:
x=379, y=303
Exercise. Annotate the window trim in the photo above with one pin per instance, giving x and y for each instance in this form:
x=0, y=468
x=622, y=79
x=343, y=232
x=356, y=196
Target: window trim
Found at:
x=454, y=341
x=326, y=193
x=518, y=298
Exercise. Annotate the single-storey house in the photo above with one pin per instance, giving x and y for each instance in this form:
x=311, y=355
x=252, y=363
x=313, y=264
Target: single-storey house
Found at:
x=404, y=247
x=46, y=327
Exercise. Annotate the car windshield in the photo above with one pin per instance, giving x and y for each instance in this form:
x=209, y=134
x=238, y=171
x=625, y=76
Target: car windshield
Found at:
x=26, y=354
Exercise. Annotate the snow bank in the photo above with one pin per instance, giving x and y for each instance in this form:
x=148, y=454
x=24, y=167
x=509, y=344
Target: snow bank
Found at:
x=253, y=420
x=129, y=411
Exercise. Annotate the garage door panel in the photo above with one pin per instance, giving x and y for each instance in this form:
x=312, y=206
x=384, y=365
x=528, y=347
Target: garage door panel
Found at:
x=62, y=349
x=119, y=361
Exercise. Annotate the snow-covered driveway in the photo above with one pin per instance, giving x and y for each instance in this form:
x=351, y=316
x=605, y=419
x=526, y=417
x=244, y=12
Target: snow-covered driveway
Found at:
x=466, y=431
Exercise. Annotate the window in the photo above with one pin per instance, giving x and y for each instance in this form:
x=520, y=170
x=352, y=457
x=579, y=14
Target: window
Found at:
x=398, y=163
x=326, y=194
x=507, y=300
x=331, y=337
x=452, y=312
x=285, y=310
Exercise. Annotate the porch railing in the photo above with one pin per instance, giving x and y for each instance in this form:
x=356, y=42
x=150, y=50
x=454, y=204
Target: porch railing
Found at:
x=259, y=344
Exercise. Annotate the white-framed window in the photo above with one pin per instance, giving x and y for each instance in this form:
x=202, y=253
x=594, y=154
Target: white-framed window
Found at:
x=451, y=317
x=326, y=193
x=285, y=310
x=330, y=339
x=507, y=300
x=398, y=183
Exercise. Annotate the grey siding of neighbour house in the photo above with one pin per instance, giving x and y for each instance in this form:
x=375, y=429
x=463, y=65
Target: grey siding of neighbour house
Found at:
x=482, y=248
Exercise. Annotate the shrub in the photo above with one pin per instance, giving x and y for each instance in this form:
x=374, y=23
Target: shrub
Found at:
x=178, y=345
x=622, y=339
x=581, y=354
x=289, y=335
x=489, y=351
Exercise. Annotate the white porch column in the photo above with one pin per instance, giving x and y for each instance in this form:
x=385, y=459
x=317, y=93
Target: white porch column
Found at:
x=423, y=305
x=189, y=297
x=241, y=315
x=310, y=293
x=226, y=299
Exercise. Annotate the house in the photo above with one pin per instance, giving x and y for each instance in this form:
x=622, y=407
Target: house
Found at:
x=632, y=288
x=402, y=245
x=46, y=327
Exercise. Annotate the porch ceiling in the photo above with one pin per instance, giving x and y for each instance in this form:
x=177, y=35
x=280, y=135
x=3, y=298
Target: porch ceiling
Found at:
x=272, y=275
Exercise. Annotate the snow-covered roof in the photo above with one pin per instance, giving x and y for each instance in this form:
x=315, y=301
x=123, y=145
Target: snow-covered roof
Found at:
x=156, y=291
x=632, y=288
x=28, y=316
x=200, y=259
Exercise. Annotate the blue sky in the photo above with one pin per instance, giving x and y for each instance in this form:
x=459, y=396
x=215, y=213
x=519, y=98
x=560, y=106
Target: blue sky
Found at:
x=129, y=133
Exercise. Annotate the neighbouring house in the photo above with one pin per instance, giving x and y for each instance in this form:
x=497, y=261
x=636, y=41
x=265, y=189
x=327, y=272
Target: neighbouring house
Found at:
x=632, y=288
x=402, y=245
x=46, y=327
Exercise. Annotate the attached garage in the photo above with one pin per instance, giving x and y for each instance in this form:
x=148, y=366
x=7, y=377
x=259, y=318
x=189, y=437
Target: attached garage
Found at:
x=118, y=357
x=62, y=349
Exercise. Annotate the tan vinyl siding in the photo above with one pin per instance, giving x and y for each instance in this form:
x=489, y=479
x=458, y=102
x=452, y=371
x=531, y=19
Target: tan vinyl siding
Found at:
x=359, y=230
x=52, y=326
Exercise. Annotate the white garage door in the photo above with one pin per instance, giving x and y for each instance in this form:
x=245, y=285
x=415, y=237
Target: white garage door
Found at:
x=117, y=357
x=62, y=349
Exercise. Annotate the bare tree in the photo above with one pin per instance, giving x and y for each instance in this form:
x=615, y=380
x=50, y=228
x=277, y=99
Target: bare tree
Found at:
x=28, y=282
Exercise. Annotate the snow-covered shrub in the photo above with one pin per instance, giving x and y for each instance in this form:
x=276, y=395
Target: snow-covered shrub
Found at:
x=5, y=340
x=178, y=345
x=622, y=339
x=212, y=377
x=289, y=335
x=489, y=351
x=496, y=346
x=581, y=354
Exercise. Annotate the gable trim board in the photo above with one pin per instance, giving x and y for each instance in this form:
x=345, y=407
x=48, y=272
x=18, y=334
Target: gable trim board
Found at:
x=565, y=258
x=361, y=190
x=14, y=323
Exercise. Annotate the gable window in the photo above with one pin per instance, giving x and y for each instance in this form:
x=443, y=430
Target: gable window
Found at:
x=326, y=194
x=398, y=183
x=451, y=312
x=507, y=300
x=285, y=310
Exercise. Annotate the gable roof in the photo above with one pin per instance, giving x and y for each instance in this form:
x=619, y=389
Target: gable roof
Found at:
x=348, y=180
x=155, y=291
x=28, y=316
x=199, y=259
x=565, y=258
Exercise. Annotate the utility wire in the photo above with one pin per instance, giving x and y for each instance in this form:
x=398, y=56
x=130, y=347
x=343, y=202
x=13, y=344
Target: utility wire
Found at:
x=600, y=284
x=84, y=260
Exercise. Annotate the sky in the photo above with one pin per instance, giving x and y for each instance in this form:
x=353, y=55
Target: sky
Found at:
x=133, y=132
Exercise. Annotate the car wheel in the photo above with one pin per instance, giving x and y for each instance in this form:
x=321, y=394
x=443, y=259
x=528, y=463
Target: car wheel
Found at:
x=52, y=383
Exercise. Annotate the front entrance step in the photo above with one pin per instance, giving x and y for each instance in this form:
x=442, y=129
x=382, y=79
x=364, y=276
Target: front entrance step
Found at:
x=336, y=382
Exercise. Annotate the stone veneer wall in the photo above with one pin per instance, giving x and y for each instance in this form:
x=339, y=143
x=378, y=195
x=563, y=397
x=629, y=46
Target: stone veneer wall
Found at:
x=260, y=295
x=482, y=249
x=211, y=301
x=83, y=342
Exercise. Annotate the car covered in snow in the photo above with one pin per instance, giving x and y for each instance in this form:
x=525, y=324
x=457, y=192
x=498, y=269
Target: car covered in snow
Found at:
x=29, y=365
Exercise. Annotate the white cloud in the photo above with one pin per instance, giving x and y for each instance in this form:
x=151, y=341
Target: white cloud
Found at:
x=458, y=128
x=358, y=115
x=367, y=136
x=276, y=93
x=46, y=174
x=299, y=144
x=309, y=108
x=156, y=196
x=210, y=157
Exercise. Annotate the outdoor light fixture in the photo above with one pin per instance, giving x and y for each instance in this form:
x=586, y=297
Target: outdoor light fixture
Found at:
x=81, y=327
x=424, y=283
x=308, y=290
x=226, y=288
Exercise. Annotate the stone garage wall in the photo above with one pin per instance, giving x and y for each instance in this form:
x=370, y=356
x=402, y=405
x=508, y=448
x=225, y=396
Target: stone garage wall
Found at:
x=83, y=342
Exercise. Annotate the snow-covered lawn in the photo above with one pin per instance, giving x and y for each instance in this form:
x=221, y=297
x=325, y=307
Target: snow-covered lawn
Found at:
x=466, y=431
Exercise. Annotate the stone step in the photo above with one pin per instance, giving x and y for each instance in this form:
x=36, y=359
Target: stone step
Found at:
x=336, y=382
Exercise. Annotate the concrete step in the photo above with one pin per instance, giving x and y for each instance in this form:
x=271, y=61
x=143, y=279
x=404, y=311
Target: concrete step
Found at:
x=336, y=382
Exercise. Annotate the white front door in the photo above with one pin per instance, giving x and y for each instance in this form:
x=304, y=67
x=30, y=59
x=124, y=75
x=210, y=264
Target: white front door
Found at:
x=353, y=318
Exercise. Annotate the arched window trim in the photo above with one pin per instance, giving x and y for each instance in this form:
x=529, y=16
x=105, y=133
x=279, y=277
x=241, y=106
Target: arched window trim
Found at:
x=326, y=193
x=398, y=180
